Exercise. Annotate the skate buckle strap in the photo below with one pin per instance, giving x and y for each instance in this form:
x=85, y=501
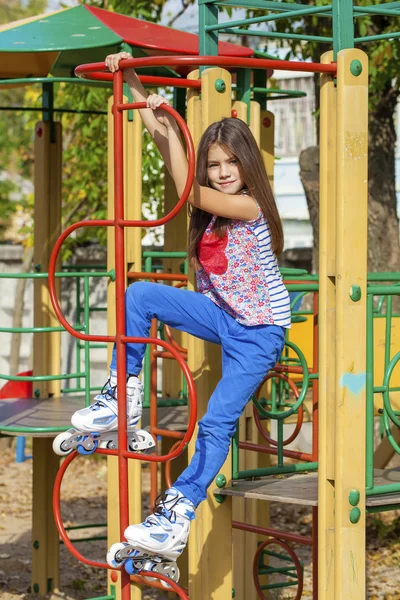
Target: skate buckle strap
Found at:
x=158, y=519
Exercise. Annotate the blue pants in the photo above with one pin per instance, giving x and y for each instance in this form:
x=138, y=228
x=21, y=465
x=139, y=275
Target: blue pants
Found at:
x=248, y=353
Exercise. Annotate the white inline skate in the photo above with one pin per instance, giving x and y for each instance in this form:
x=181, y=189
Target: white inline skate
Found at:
x=97, y=426
x=155, y=544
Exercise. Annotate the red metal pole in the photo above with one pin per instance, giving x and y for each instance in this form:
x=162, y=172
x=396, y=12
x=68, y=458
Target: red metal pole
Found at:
x=97, y=69
x=153, y=412
x=120, y=321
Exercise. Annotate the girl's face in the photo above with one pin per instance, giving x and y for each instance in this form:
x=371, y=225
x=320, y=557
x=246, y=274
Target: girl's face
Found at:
x=223, y=171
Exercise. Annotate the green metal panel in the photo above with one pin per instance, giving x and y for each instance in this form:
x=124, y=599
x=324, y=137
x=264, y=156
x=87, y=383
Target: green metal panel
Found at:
x=342, y=25
x=208, y=40
x=74, y=28
x=243, y=88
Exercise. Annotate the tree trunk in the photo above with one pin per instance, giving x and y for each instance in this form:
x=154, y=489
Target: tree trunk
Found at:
x=383, y=223
x=309, y=175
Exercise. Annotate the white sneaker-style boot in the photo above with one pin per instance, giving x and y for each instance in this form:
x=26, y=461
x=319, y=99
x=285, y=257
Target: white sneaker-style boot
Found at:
x=155, y=544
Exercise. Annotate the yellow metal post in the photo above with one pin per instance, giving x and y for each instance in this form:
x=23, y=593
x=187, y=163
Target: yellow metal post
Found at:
x=133, y=257
x=327, y=336
x=351, y=276
x=46, y=353
x=210, y=541
x=343, y=273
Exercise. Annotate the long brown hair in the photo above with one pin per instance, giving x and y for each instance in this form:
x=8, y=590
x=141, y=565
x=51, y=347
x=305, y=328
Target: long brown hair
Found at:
x=235, y=137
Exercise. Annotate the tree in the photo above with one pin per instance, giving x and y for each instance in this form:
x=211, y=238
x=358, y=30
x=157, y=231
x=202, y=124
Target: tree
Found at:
x=383, y=224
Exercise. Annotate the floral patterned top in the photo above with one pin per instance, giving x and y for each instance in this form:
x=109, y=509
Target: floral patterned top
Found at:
x=240, y=273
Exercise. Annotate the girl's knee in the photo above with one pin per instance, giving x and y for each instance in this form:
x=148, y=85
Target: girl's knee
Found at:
x=138, y=292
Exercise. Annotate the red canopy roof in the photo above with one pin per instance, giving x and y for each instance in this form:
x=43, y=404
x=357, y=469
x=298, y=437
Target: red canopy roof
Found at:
x=158, y=38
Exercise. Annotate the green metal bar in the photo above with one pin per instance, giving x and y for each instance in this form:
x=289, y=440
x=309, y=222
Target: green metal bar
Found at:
x=304, y=287
x=31, y=430
x=146, y=378
x=377, y=9
x=180, y=101
x=171, y=402
x=48, y=108
x=313, y=10
x=208, y=40
x=41, y=377
x=342, y=25
x=86, y=298
x=148, y=264
x=35, y=329
x=280, y=442
x=161, y=254
x=78, y=344
x=55, y=110
x=80, y=389
x=278, y=555
x=276, y=34
x=59, y=275
x=260, y=54
x=235, y=454
x=272, y=586
x=258, y=4
x=260, y=84
x=383, y=290
x=266, y=90
x=385, y=276
x=53, y=80
x=243, y=88
x=369, y=455
x=383, y=489
x=376, y=38
x=384, y=508
x=380, y=389
x=281, y=570
x=295, y=468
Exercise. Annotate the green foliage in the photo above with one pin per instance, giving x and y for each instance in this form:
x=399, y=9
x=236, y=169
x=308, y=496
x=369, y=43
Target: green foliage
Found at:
x=84, y=183
x=7, y=206
x=15, y=132
x=383, y=55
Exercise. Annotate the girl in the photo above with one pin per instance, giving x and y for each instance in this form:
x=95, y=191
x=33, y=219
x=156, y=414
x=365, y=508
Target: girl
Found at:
x=235, y=235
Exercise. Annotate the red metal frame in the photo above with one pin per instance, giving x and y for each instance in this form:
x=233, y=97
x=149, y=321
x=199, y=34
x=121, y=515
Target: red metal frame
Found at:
x=95, y=71
x=120, y=338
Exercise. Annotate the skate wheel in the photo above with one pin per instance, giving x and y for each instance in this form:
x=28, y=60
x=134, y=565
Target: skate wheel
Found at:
x=133, y=568
x=108, y=445
x=113, y=559
x=60, y=443
x=82, y=450
x=170, y=570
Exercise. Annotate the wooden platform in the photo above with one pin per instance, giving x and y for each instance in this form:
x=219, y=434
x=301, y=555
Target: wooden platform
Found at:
x=303, y=489
x=56, y=412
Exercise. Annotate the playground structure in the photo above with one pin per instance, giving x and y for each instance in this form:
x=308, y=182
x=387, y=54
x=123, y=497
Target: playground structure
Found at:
x=333, y=365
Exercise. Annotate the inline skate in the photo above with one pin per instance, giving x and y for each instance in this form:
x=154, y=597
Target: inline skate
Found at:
x=155, y=544
x=97, y=426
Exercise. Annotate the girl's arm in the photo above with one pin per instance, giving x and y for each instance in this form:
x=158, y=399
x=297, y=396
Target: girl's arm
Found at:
x=231, y=206
x=166, y=134
x=155, y=125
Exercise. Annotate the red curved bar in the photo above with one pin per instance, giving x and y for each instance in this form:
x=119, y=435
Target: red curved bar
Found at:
x=120, y=223
x=75, y=552
x=293, y=556
x=300, y=412
x=58, y=519
x=169, y=81
x=220, y=61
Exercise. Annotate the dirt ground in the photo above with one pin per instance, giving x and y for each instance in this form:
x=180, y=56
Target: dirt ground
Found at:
x=84, y=500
